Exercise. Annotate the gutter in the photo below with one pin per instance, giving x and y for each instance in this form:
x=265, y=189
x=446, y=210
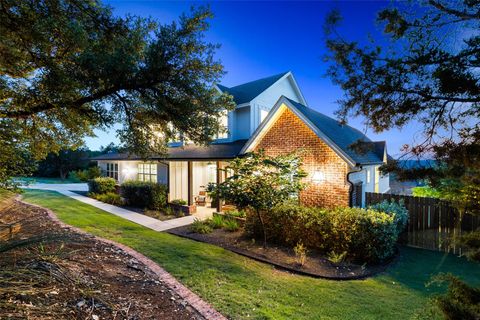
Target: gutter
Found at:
x=350, y=189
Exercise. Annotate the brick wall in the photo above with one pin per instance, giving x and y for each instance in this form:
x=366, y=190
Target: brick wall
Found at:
x=288, y=134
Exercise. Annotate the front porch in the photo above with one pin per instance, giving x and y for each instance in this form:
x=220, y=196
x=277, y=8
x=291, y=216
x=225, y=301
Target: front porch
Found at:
x=188, y=181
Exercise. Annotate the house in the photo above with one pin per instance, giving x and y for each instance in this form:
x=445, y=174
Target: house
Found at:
x=271, y=114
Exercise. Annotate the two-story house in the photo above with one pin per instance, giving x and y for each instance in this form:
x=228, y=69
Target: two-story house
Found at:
x=271, y=114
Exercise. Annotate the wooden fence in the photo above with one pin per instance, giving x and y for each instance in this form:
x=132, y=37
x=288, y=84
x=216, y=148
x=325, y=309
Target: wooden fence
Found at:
x=432, y=222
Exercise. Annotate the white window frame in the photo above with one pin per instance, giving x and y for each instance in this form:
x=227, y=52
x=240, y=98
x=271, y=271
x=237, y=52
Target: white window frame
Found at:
x=147, y=172
x=112, y=170
x=223, y=121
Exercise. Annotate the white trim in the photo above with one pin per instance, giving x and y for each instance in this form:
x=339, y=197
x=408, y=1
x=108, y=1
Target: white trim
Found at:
x=272, y=117
x=297, y=88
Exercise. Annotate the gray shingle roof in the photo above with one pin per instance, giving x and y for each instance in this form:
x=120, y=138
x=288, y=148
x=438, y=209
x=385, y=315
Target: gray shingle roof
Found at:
x=343, y=136
x=246, y=92
x=214, y=151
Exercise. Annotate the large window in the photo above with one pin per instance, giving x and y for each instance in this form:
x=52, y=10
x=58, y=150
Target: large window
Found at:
x=263, y=115
x=112, y=170
x=147, y=172
x=223, y=133
x=377, y=179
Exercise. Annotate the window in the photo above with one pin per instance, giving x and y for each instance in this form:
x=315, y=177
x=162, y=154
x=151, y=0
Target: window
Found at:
x=147, y=172
x=223, y=121
x=112, y=170
x=377, y=179
x=263, y=115
x=368, y=176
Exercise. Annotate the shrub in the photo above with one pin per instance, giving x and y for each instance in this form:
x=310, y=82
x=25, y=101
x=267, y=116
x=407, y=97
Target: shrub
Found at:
x=179, y=202
x=101, y=185
x=141, y=194
x=337, y=257
x=365, y=234
x=397, y=210
x=470, y=243
x=200, y=227
x=231, y=225
x=237, y=214
x=217, y=222
x=300, y=253
x=86, y=174
x=169, y=211
x=109, y=197
x=461, y=301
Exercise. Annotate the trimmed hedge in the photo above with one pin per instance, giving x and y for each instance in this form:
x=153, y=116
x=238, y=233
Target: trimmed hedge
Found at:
x=365, y=235
x=145, y=194
x=101, y=185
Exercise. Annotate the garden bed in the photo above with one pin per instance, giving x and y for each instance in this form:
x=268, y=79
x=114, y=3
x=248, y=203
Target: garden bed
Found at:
x=316, y=264
x=156, y=214
x=49, y=272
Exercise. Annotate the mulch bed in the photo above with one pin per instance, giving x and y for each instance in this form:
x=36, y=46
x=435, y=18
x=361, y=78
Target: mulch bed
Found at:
x=282, y=257
x=150, y=213
x=48, y=272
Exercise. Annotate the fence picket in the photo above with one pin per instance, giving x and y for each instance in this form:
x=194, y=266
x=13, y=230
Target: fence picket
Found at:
x=431, y=221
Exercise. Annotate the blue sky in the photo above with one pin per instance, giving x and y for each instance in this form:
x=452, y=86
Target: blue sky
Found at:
x=259, y=39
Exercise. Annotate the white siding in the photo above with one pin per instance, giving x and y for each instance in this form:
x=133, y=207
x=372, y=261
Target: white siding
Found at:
x=241, y=123
x=178, y=188
x=284, y=87
x=368, y=185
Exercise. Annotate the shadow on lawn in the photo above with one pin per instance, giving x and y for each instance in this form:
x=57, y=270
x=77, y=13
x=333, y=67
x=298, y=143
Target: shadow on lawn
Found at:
x=415, y=268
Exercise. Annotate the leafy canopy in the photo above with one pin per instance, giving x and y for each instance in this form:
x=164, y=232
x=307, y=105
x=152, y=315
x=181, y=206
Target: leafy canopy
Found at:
x=424, y=68
x=69, y=66
x=260, y=182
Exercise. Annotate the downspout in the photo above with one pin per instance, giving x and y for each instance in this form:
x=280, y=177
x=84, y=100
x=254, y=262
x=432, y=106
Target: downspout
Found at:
x=350, y=189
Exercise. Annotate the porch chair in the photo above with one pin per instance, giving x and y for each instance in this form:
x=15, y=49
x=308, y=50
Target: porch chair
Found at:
x=201, y=199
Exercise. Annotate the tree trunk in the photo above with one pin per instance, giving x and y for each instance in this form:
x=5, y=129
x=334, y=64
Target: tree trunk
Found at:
x=263, y=228
x=63, y=174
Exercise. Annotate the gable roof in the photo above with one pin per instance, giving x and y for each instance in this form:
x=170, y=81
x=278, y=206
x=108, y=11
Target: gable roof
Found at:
x=214, y=151
x=246, y=92
x=338, y=136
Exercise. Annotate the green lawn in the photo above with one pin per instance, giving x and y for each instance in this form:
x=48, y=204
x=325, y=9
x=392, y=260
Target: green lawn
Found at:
x=44, y=180
x=243, y=289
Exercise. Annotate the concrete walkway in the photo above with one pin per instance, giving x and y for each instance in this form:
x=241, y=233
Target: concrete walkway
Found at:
x=146, y=221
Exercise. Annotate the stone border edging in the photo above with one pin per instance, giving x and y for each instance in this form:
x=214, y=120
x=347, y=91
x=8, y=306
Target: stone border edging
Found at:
x=202, y=307
x=284, y=267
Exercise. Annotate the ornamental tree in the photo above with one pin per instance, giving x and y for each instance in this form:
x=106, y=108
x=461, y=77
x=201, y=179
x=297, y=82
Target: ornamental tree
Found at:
x=70, y=66
x=260, y=182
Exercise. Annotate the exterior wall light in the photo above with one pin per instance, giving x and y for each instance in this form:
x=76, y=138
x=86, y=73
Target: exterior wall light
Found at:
x=318, y=177
x=128, y=171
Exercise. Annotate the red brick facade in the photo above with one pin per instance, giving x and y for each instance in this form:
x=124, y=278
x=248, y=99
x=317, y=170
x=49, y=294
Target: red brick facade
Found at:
x=288, y=134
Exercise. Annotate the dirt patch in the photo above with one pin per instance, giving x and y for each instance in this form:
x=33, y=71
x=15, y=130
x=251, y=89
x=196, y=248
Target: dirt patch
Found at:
x=48, y=272
x=282, y=257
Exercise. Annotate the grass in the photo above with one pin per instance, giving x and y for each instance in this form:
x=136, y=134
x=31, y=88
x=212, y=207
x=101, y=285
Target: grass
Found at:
x=244, y=289
x=44, y=180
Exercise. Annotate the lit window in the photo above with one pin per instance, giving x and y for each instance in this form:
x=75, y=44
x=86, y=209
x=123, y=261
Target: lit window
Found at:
x=263, y=115
x=368, y=176
x=377, y=179
x=112, y=170
x=223, y=121
x=147, y=172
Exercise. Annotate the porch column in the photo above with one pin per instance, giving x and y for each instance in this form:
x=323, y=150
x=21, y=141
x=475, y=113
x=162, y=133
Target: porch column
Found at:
x=218, y=181
x=190, y=183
